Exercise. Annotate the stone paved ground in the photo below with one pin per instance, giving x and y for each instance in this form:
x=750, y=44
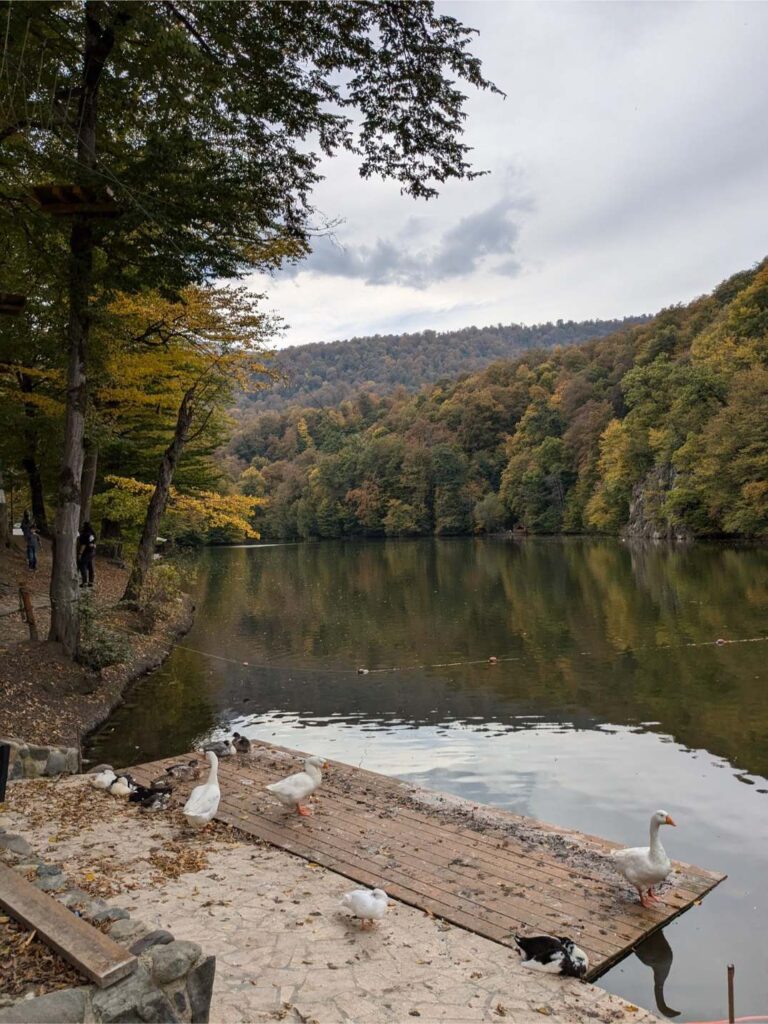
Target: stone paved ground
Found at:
x=284, y=950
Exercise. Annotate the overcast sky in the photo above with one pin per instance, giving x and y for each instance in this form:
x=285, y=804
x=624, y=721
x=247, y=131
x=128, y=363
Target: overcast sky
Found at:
x=629, y=170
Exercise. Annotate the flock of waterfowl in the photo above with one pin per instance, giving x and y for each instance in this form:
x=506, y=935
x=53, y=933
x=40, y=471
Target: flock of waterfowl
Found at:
x=644, y=867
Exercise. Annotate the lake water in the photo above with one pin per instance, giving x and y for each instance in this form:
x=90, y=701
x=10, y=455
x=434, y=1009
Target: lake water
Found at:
x=609, y=700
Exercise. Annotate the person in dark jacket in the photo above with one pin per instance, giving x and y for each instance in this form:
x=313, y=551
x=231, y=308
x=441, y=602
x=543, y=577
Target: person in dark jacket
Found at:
x=86, y=551
x=29, y=530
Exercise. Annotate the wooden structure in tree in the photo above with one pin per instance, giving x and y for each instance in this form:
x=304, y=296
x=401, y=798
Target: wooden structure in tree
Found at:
x=11, y=304
x=487, y=871
x=67, y=200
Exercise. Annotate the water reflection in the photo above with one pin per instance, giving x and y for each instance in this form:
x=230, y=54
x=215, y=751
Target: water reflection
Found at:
x=598, y=710
x=655, y=952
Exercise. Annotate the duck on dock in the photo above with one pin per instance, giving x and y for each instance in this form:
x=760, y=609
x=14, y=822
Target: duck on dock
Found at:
x=646, y=866
x=241, y=743
x=221, y=748
x=184, y=770
x=295, y=789
x=552, y=955
x=204, y=800
x=367, y=905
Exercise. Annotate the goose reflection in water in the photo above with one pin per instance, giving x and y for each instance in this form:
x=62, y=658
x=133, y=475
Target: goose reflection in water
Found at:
x=655, y=952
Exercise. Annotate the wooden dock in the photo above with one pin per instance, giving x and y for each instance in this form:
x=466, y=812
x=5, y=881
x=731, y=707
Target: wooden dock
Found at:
x=485, y=870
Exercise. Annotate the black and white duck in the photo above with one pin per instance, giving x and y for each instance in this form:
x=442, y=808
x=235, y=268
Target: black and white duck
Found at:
x=157, y=801
x=552, y=955
x=142, y=793
x=123, y=786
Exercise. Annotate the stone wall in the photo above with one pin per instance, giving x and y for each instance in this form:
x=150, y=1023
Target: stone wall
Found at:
x=173, y=982
x=29, y=761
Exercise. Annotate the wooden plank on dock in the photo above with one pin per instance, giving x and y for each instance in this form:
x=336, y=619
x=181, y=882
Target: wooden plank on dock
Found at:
x=92, y=952
x=485, y=870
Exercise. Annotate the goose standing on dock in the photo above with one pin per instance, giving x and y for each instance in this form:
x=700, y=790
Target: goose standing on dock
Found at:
x=552, y=955
x=646, y=866
x=204, y=800
x=293, y=791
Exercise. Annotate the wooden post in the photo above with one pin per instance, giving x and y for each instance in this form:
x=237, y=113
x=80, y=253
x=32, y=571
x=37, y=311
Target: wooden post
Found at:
x=25, y=603
x=5, y=759
x=731, y=1008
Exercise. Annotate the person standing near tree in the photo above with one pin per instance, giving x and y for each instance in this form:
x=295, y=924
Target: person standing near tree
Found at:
x=31, y=537
x=86, y=551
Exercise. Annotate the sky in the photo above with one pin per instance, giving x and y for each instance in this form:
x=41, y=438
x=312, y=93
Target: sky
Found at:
x=628, y=171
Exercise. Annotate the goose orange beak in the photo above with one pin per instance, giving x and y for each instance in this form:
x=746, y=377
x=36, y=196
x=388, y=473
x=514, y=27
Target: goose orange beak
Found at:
x=669, y=821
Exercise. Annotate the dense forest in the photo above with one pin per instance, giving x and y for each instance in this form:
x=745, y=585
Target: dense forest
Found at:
x=327, y=373
x=660, y=429
x=129, y=192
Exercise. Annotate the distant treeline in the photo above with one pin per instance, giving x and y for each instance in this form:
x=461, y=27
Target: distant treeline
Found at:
x=327, y=373
x=661, y=426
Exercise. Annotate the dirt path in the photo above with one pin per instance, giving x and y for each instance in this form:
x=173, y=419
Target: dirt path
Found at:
x=46, y=698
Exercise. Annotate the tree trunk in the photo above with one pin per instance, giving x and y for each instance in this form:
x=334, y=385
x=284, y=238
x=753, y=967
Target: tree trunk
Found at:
x=31, y=468
x=65, y=615
x=88, y=482
x=159, y=499
x=29, y=461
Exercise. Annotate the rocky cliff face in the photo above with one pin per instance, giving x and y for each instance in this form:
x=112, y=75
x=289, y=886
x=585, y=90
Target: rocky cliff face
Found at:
x=647, y=516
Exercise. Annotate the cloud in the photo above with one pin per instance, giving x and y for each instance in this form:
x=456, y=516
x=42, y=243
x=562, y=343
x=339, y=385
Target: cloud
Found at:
x=467, y=246
x=639, y=131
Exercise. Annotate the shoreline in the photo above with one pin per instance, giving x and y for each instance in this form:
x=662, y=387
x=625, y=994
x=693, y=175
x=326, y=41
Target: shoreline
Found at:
x=126, y=674
x=47, y=698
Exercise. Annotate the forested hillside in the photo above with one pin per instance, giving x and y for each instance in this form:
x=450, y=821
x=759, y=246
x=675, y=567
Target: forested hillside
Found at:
x=327, y=373
x=660, y=428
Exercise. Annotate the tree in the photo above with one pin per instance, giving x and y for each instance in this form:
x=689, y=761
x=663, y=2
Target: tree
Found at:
x=197, y=116
x=196, y=353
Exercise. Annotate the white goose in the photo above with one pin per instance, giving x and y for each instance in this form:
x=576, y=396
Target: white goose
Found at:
x=204, y=800
x=366, y=904
x=293, y=791
x=646, y=866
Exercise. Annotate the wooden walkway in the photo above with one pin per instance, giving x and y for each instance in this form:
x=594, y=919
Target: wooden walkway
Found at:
x=496, y=876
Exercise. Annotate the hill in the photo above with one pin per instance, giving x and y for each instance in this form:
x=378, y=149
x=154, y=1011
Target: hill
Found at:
x=326, y=373
x=660, y=429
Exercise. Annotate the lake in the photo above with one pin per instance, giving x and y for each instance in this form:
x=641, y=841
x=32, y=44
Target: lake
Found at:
x=610, y=699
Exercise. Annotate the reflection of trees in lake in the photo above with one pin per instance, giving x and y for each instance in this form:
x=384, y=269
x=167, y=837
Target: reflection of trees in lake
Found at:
x=589, y=619
x=587, y=622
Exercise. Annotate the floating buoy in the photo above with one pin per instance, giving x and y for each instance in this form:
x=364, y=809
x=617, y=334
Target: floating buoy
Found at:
x=492, y=660
x=720, y=641
x=363, y=671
